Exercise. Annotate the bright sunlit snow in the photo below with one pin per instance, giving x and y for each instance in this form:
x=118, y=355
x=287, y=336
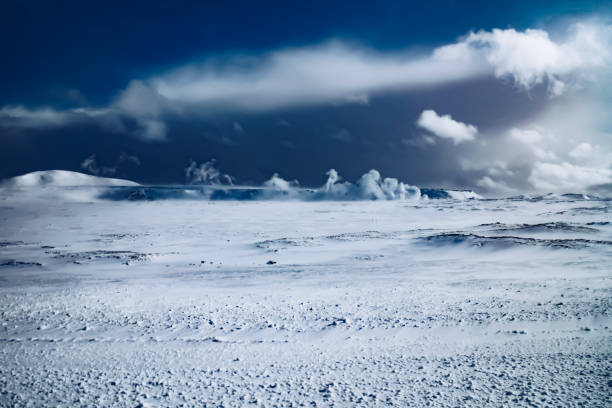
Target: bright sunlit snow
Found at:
x=283, y=302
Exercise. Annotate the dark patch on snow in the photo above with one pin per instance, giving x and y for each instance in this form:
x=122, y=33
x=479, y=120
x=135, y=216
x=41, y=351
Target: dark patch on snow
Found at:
x=4, y=244
x=358, y=236
x=282, y=243
x=13, y=262
x=123, y=256
x=508, y=241
x=541, y=227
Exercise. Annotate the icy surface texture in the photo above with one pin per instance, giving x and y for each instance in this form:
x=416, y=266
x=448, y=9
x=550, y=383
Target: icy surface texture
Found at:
x=283, y=303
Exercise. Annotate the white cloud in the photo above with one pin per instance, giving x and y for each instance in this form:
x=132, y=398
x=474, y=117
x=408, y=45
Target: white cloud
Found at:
x=112, y=119
x=499, y=168
x=333, y=72
x=139, y=100
x=340, y=73
x=567, y=177
x=535, y=139
x=141, y=103
x=151, y=130
x=446, y=127
x=544, y=154
x=19, y=116
x=493, y=186
x=530, y=57
x=527, y=136
x=539, y=153
x=582, y=151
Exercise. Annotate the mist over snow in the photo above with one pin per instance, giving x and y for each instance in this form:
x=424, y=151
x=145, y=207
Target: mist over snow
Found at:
x=206, y=173
x=370, y=186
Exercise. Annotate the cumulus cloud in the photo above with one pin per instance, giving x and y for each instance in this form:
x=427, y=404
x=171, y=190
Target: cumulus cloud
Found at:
x=550, y=159
x=340, y=73
x=151, y=130
x=535, y=140
x=582, y=151
x=494, y=186
x=492, y=176
x=567, y=177
x=145, y=106
x=527, y=136
x=446, y=127
x=530, y=57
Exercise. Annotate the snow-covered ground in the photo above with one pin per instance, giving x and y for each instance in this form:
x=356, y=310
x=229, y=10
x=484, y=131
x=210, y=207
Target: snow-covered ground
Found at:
x=288, y=303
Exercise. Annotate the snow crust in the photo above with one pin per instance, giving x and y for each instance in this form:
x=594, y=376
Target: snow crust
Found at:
x=288, y=303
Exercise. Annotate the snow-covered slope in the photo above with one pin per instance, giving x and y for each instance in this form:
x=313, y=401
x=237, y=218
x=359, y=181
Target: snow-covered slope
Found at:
x=439, y=302
x=62, y=178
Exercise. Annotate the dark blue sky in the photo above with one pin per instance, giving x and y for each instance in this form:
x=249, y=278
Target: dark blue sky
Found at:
x=66, y=55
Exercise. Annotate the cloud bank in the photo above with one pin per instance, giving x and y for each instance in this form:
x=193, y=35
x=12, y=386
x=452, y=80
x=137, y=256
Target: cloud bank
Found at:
x=337, y=73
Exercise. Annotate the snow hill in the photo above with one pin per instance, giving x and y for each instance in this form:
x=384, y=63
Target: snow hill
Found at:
x=62, y=178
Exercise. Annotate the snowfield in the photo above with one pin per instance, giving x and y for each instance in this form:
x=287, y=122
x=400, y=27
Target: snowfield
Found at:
x=287, y=303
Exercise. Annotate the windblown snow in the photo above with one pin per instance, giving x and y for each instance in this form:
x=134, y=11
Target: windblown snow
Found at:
x=149, y=301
